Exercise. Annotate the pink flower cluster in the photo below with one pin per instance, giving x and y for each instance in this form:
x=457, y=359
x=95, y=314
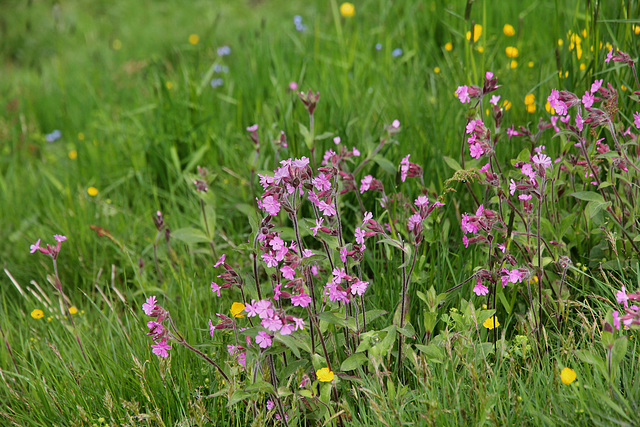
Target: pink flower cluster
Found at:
x=273, y=320
x=156, y=329
x=631, y=314
x=52, y=251
x=479, y=140
x=336, y=290
x=408, y=169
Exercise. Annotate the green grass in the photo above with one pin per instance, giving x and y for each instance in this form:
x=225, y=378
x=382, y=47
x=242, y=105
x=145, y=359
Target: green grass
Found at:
x=132, y=97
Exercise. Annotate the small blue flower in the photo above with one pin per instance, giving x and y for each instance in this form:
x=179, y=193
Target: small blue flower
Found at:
x=220, y=68
x=53, y=136
x=297, y=20
x=216, y=83
x=301, y=28
x=224, y=50
x=396, y=52
x=378, y=46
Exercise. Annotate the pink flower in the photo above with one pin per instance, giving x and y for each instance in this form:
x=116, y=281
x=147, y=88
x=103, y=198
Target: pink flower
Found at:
x=512, y=132
x=326, y=208
x=525, y=197
x=273, y=324
x=59, y=238
x=622, y=297
x=215, y=288
x=287, y=328
x=343, y=254
x=541, y=160
x=252, y=128
x=528, y=171
x=616, y=319
x=480, y=289
x=220, y=261
x=494, y=99
x=471, y=126
x=462, y=92
x=609, y=56
x=263, y=339
x=465, y=241
x=588, y=99
x=556, y=104
x=149, y=306
x=277, y=292
x=595, y=86
x=35, y=247
x=367, y=217
x=484, y=168
x=262, y=308
x=395, y=124
x=404, y=167
x=488, y=75
x=160, y=348
x=317, y=227
x=301, y=300
x=322, y=183
x=365, y=183
x=359, y=287
x=336, y=140
x=636, y=119
x=293, y=86
x=421, y=201
x=579, y=122
x=356, y=152
x=512, y=187
x=288, y=272
x=476, y=150
x=359, y=234
x=271, y=205
x=414, y=220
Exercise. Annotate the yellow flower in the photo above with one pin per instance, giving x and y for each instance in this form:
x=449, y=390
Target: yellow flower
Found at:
x=547, y=107
x=584, y=33
x=81, y=136
x=236, y=309
x=636, y=29
x=49, y=319
x=347, y=10
x=491, y=322
x=530, y=64
x=116, y=45
x=73, y=310
x=448, y=47
x=194, y=39
x=583, y=66
x=514, y=64
x=169, y=85
x=529, y=99
x=93, y=191
x=512, y=52
x=560, y=42
x=37, y=314
x=506, y=104
x=531, y=108
x=568, y=375
x=73, y=154
x=623, y=87
x=436, y=70
x=579, y=52
x=480, y=49
x=325, y=375
x=508, y=30
x=477, y=32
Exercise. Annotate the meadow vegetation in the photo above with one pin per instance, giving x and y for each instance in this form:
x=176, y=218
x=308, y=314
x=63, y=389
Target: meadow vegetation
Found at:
x=320, y=213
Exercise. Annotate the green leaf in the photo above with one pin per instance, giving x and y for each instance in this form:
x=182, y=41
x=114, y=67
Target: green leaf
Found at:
x=325, y=135
x=433, y=352
x=452, y=163
x=385, y=164
x=289, y=342
x=353, y=362
x=306, y=393
x=238, y=396
x=331, y=317
x=190, y=235
x=589, y=196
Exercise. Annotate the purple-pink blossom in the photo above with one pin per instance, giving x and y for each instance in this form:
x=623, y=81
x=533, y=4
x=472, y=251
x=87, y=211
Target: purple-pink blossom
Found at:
x=636, y=119
x=359, y=287
x=220, y=261
x=149, y=306
x=301, y=300
x=462, y=93
x=480, y=289
x=328, y=209
x=288, y=272
x=160, y=348
x=359, y=234
x=215, y=288
x=35, y=247
x=365, y=183
x=263, y=339
x=595, y=86
x=609, y=56
x=271, y=205
x=588, y=99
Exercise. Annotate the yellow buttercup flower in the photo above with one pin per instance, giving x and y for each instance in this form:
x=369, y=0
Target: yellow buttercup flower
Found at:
x=477, y=32
x=636, y=29
x=73, y=310
x=506, y=104
x=512, y=52
x=436, y=70
x=529, y=99
x=560, y=42
x=583, y=66
x=491, y=322
x=194, y=39
x=73, y=154
x=37, y=314
x=347, y=10
x=530, y=64
x=531, y=108
x=236, y=309
x=513, y=64
x=508, y=30
x=568, y=375
x=448, y=46
x=93, y=191
x=169, y=85
x=325, y=375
